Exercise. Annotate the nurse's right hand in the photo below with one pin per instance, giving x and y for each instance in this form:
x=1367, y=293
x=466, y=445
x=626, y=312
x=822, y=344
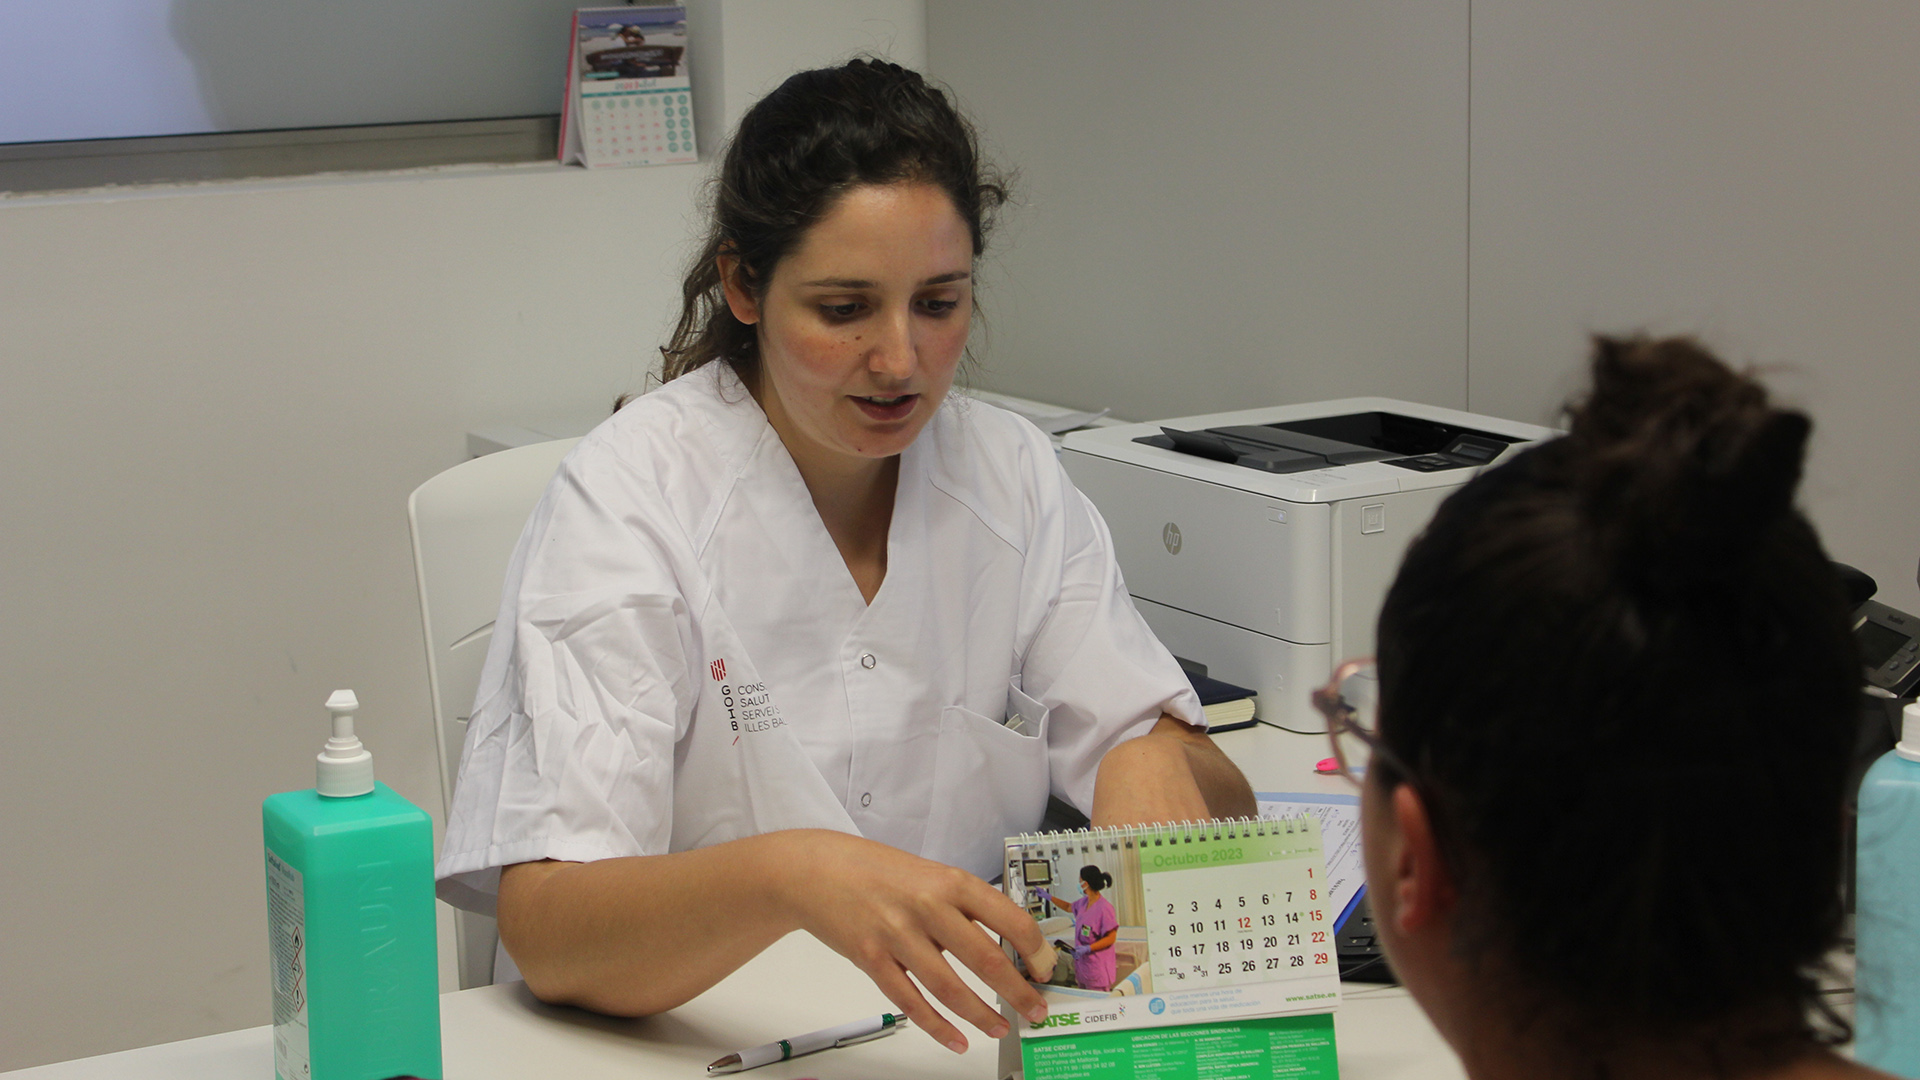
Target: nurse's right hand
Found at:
x=894, y=914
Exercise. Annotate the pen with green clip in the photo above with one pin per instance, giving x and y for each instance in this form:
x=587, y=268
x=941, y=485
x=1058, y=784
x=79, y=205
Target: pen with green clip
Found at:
x=827, y=1039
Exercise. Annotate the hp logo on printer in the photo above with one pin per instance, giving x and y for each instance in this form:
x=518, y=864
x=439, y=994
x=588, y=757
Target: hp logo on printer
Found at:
x=1170, y=536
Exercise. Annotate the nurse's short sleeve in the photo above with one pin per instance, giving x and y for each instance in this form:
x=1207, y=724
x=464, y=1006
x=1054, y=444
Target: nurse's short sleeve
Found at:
x=1094, y=662
x=569, y=754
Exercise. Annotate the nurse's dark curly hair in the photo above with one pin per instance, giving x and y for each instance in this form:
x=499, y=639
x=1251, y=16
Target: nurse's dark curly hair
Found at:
x=796, y=152
x=1620, y=673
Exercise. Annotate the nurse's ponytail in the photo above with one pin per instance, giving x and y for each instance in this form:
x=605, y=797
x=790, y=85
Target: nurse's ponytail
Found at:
x=1097, y=879
x=795, y=153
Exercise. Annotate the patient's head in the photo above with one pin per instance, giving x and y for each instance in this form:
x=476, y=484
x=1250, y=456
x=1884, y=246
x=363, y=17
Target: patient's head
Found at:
x=1619, y=676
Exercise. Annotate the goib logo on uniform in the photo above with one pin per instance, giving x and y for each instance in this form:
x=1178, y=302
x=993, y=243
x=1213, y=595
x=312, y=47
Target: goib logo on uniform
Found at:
x=719, y=669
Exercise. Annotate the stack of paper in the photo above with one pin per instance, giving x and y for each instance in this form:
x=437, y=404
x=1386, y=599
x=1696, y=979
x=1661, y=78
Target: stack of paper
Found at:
x=1339, y=817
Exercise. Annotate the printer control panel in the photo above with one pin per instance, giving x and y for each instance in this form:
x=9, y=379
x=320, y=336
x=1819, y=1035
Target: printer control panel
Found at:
x=1464, y=452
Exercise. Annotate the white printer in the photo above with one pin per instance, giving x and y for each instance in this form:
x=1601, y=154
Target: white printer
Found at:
x=1261, y=542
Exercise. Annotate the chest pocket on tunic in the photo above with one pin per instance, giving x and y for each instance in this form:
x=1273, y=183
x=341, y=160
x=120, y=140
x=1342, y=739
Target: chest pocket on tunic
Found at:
x=990, y=781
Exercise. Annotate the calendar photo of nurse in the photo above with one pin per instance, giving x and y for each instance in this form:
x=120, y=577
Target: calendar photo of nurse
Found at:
x=1095, y=930
x=1092, y=914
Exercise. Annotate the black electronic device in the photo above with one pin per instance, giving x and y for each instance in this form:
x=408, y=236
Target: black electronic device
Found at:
x=1358, y=947
x=1889, y=639
x=1889, y=647
x=1038, y=872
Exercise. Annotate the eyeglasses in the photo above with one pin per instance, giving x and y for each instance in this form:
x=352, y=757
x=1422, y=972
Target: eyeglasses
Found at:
x=1351, y=703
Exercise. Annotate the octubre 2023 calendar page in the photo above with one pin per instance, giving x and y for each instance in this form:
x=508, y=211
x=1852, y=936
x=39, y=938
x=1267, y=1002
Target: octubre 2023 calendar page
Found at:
x=1201, y=949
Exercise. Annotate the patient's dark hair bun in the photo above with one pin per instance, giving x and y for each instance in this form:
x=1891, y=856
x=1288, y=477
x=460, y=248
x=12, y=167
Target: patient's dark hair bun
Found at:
x=1681, y=465
x=1619, y=671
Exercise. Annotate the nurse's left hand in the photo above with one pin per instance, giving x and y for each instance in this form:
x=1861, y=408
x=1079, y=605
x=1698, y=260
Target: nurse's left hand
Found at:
x=1172, y=773
x=895, y=914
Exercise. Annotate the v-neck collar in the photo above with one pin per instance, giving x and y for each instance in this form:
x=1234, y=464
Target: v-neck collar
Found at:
x=904, y=528
x=905, y=544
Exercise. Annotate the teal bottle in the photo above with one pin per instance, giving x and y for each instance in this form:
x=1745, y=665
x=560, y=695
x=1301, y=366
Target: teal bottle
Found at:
x=1887, y=909
x=356, y=982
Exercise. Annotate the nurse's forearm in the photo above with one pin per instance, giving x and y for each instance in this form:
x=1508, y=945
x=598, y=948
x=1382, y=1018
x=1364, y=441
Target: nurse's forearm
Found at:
x=637, y=936
x=1172, y=773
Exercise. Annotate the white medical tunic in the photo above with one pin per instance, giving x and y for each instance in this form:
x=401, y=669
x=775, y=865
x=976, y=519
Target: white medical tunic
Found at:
x=682, y=657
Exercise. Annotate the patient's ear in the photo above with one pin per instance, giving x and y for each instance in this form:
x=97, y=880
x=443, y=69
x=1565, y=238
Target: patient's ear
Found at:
x=1422, y=883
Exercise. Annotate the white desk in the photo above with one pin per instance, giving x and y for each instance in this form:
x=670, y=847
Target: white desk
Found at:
x=1280, y=761
x=502, y=1033
x=799, y=985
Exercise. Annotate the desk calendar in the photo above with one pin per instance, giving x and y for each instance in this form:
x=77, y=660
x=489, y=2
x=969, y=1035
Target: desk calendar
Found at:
x=1237, y=910
x=629, y=97
x=1178, y=946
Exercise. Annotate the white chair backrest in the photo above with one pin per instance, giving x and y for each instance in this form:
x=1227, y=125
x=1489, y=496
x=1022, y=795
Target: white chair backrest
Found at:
x=465, y=524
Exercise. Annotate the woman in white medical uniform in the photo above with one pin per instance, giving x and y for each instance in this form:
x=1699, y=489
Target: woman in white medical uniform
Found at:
x=794, y=641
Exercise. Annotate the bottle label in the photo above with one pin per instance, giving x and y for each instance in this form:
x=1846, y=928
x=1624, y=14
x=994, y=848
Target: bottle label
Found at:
x=287, y=937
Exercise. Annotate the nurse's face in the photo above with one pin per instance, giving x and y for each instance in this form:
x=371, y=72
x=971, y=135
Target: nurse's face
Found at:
x=861, y=326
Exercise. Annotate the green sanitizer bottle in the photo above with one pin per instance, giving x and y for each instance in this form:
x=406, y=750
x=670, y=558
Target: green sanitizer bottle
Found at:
x=1887, y=908
x=350, y=922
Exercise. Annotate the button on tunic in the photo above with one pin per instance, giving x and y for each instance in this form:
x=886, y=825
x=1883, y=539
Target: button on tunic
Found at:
x=682, y=657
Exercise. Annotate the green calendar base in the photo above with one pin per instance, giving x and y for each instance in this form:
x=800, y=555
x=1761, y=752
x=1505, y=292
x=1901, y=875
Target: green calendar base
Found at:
x=1270, y=1048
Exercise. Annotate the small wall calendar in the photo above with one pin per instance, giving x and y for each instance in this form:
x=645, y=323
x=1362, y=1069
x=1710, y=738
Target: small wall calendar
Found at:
x=1179, y=945
x=629, y=96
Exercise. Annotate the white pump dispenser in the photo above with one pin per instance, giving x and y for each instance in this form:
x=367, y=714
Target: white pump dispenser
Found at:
x=346, y=767
x=1909, y=745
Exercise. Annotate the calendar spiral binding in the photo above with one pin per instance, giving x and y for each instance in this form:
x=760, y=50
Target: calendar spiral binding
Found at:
x=1115, y=837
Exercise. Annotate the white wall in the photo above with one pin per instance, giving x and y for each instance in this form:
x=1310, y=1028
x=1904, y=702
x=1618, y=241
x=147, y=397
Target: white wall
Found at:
x=215, y=402
x=1226, y=204
x=747, y=47
x=1220, y=203
x=1744, y=171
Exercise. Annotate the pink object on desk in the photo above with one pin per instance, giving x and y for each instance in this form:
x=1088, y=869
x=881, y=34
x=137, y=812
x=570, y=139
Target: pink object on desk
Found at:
x=1327, y=766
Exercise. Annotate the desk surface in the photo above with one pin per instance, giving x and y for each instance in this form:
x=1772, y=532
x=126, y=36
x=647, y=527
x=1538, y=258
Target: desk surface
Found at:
x=502, y=1033
x=1282, y=761
x=798, y=985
